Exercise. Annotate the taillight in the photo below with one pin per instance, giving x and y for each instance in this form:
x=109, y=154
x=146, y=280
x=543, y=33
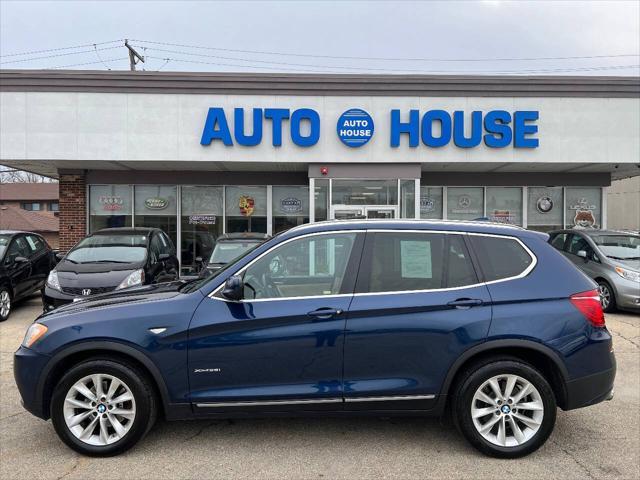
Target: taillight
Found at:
x=589, y=305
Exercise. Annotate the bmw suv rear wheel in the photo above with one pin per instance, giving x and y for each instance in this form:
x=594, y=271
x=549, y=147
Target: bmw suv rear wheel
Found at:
x=505, y=408
x=103, y=407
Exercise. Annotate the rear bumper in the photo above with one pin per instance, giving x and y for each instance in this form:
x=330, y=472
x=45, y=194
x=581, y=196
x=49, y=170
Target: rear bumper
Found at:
x=591, y=389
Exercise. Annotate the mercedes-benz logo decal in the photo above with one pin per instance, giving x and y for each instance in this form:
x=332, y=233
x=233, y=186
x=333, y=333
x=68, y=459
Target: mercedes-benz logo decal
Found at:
x=464, y=201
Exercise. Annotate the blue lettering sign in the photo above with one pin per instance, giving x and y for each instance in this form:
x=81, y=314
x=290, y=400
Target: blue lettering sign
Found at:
x=412, y=128
x=355, y=127
x=427, y=128
x=521, y=129
x=314, y=119
x=238, y=127
x=216, y=118
x=276, y=115
x=458, y=130
x=496, y=124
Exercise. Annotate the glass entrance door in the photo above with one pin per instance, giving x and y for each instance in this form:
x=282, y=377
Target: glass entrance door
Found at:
x=350, y=212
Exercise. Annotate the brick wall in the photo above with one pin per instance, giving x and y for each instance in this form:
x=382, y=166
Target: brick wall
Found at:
x=73, y=208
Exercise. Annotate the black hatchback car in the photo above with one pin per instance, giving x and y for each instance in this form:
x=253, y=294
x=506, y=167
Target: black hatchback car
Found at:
x=25, y=262
x=230, y=246
x=111, y=259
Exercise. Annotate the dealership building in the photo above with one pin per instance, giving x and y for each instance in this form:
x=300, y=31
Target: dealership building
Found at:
x=201, y=154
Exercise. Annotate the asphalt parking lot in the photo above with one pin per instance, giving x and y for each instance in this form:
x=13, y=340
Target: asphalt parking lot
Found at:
x=597, y=442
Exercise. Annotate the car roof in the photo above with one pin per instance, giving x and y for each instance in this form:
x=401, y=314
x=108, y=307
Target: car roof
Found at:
x=127, y=230
x=15, y=232
x=242, y=236
x=591, y=232
x=492, y=228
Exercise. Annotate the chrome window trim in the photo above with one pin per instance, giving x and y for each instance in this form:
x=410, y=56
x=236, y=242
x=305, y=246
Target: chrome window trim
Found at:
x=389, y=398
x=523, y=274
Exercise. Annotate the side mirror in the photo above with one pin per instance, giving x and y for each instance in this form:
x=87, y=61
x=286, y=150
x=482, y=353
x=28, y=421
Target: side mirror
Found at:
x=20, y=259
x=582, y=254
x=233, y=288
x=59, y=256
x=163, y=257
x=199, y=259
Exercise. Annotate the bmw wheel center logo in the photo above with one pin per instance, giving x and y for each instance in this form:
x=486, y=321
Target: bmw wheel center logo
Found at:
x=355, y=127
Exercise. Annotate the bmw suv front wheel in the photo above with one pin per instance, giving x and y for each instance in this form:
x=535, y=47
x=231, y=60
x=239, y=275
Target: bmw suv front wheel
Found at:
x=505, y=408
x=103, y=407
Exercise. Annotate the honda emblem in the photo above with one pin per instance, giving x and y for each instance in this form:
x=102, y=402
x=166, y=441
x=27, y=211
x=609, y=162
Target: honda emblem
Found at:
x=86, y=291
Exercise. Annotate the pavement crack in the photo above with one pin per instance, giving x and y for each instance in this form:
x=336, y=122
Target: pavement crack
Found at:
x=630, y=340
x=572, y=457
x=13, y=415
x=75, y=466
x=636, y=325
x=199, y=432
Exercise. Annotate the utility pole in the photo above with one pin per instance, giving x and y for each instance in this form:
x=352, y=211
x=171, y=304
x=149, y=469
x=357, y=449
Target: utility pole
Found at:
x=133, y=55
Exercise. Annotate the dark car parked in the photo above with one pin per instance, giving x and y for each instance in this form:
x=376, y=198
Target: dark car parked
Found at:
x=335, y=318
x=229, y=247
x=111, y=259
x=25, y=262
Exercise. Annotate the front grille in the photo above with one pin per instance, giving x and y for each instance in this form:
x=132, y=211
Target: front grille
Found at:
x=94, y=291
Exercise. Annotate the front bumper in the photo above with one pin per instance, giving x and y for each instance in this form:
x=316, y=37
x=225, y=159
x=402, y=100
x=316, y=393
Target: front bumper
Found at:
x=54, y=298
x=628, y=295
x=27, y=371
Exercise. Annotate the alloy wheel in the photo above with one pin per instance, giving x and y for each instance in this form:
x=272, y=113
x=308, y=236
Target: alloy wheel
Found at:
x=507, y=410
x=99, y=409
x=605, y=296
x=5, y=304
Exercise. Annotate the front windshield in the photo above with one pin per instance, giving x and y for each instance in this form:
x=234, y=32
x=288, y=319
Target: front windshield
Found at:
x=619, y=247
x=115, y=248
x=225, y=252
x=4, y=243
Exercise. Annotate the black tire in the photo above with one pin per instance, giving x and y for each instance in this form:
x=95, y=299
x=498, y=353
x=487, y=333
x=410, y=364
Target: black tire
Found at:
x=603, y=286
x=141, y=388
x=5, y=291
x=474, y=378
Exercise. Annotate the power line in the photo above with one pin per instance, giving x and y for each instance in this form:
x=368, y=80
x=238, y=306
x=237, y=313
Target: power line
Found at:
x=33, y=52
x=88, y=63
x=434, y=59
x=511, y=72
x=334, y=67
x=59, y=55
x=100, y=58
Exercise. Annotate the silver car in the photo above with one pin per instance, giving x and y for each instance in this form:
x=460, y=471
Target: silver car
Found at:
x=611, y=258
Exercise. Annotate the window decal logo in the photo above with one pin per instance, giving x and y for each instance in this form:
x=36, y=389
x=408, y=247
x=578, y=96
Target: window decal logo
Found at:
x=544, y=204
x=247, y=205
x=156, y=203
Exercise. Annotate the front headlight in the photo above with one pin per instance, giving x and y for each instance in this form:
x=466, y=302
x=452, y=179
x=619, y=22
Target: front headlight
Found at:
x=628, y=274
x=52, y=280
x=35, y=332
x=133, y=279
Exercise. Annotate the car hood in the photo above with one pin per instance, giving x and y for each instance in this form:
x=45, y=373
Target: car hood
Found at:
x=93, y=275
x=146, y=293
x=632, y=264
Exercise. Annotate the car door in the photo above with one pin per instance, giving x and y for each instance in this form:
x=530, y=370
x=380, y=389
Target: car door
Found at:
x=40, y=260
x=418, y=306
x=19, y=272
x=575, y=243
x=282, y=345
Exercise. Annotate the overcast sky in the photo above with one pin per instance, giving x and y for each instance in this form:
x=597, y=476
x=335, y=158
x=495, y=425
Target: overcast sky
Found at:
x=397, y=37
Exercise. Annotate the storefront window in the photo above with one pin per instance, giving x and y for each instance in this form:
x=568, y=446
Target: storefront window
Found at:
x=407, y=199
x=321, y=199
x=431, y=203
x=109, y=206
x=544, y=208
x=504, y=205
x=290, y=207
x=364, y=192
x=155, y=206
x=583, y=207
x=465, y=203
x=201, y=223
x=246, y=209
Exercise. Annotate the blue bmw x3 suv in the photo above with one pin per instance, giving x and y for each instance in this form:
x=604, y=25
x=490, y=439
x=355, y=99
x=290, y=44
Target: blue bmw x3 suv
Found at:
x=485, y=321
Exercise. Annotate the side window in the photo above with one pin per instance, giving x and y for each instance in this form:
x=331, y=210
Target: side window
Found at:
x=17, y=248
x=35, y=243
x=309, y=266
x=155, y=248
x=558, y=241
x=577, y=243
x=460, y=271
x=500, y=257
x=166, y=245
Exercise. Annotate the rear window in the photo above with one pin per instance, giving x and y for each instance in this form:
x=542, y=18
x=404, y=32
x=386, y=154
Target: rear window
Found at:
x=500, y=258
x=419, y=261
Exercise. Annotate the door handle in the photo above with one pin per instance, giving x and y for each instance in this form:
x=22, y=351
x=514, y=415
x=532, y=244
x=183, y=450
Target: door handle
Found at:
x=325, y=313
x=465, y=303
